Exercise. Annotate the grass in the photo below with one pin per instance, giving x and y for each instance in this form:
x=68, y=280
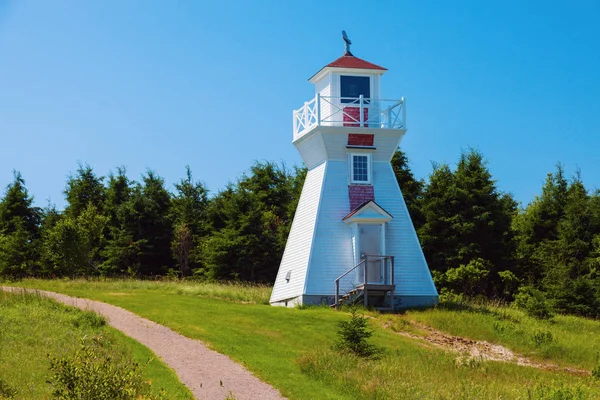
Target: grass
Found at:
x=564, y=340
x=33, y=327
x=291, y=348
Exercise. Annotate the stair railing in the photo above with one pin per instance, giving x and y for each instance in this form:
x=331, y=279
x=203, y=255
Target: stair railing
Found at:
x=362, y=264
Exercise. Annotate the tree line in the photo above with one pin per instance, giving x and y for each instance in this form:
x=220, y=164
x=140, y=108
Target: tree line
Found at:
x=477, y=240
x=113, y=226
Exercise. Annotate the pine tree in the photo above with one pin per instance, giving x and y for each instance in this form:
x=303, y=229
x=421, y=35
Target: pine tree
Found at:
x=467, y=224
x=412, y=189
x=190, y=222
x=151, y=212
x=83, y=189
x=536, y=228
x=19, y=231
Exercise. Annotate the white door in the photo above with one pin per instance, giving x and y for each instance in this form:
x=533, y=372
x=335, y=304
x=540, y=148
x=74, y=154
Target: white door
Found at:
x=370, y=245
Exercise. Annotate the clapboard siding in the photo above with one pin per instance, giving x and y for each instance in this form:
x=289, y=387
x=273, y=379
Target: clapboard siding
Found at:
x=311, y=149
x=332, y=251
x=386, y=145
x=412, y=276
x=323, y=87
x=296, y=255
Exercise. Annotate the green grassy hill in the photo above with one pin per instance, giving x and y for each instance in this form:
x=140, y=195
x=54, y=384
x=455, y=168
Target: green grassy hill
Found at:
x=291, y=348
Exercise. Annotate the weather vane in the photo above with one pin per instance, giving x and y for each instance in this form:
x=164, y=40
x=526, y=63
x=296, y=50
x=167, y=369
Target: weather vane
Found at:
x=348, y=42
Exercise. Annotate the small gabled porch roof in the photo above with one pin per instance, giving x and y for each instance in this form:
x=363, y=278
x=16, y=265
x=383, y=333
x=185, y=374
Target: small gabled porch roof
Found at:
x=369, y=211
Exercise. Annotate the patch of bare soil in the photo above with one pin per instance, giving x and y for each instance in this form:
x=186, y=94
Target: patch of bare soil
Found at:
x=470, y=349
x=208, y=374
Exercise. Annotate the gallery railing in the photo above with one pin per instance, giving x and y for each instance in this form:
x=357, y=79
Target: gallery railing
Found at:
x=349, y=111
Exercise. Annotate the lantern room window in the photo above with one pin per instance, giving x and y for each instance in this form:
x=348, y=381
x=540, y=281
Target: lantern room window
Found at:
x=360, y=167
x=353, y=87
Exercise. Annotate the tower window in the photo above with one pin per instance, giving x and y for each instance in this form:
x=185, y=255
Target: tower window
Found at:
x=354, y=86
x=360, y=167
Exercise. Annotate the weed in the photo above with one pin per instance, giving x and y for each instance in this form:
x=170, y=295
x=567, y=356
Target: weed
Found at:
x=534, y=303
x=88, y=319
x=400, y=325
x=6, y=392
x=471, y=362
x=96, y=371
x=542, y=337
x=596, y=369
x=556, y=391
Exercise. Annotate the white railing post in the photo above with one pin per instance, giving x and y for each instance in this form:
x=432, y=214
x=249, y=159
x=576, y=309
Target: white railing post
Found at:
x=318, y=105
x=404, y=112
x=295, y=124
x=362, y=117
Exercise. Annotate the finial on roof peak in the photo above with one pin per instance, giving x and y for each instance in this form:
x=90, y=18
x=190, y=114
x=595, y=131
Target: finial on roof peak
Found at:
x=347, y=44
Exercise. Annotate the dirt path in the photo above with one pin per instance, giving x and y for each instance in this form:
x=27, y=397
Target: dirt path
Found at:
x=208, y=374
x=469, y=349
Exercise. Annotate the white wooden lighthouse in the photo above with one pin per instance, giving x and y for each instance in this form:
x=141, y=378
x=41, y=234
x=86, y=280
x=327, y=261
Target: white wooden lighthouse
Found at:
x=352, y=237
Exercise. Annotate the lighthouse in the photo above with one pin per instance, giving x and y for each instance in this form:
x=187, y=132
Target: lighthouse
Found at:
x=352, y=238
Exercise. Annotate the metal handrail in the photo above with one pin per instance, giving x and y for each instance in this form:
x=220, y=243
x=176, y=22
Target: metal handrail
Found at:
x=389, y=272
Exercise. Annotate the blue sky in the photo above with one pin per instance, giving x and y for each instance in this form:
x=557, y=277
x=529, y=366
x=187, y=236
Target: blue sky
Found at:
x=160, y=85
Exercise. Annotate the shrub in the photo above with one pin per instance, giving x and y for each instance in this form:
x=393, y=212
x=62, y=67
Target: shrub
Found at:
x=556, y=391
x=97, y=372
x=596, y=370
x=354, y=334
x=533, y=302
x=510, y=282
x=469, y=278
x=6, y=392
x=542, y=337
x=89, y=319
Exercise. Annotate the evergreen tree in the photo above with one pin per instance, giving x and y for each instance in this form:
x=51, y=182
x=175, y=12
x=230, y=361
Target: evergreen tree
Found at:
x=189, y=215
x=19, y=231
x=569, y=279
x=120, y=251
x=412, y=189
x=467, y=224
x=16, y=209
x=151, y=213
x=438, y=235
x=536, y=228
x=83, y=189
x=250, y=221
x=72, y=246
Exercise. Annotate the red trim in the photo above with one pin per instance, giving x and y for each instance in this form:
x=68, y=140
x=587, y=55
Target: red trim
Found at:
x=352, y=116
x=357, y=139
x=360, y=194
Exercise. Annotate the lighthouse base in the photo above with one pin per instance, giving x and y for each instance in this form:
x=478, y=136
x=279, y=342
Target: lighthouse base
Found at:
x=400, y=302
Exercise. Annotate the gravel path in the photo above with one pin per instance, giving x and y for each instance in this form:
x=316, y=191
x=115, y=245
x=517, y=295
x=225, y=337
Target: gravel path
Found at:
x=208, y=374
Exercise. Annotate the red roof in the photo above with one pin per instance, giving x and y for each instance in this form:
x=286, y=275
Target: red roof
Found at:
x=349, y=61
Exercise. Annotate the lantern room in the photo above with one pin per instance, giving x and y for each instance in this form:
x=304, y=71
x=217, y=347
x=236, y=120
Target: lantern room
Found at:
x=348, y=94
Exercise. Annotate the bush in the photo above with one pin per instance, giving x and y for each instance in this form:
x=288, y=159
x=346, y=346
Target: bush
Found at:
x=533, y=302
x=353, y=335
x=542, y=337
x=510, y=284
x=97, y=372
x=469, y=279
x=6, y=392
x=596, y=370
